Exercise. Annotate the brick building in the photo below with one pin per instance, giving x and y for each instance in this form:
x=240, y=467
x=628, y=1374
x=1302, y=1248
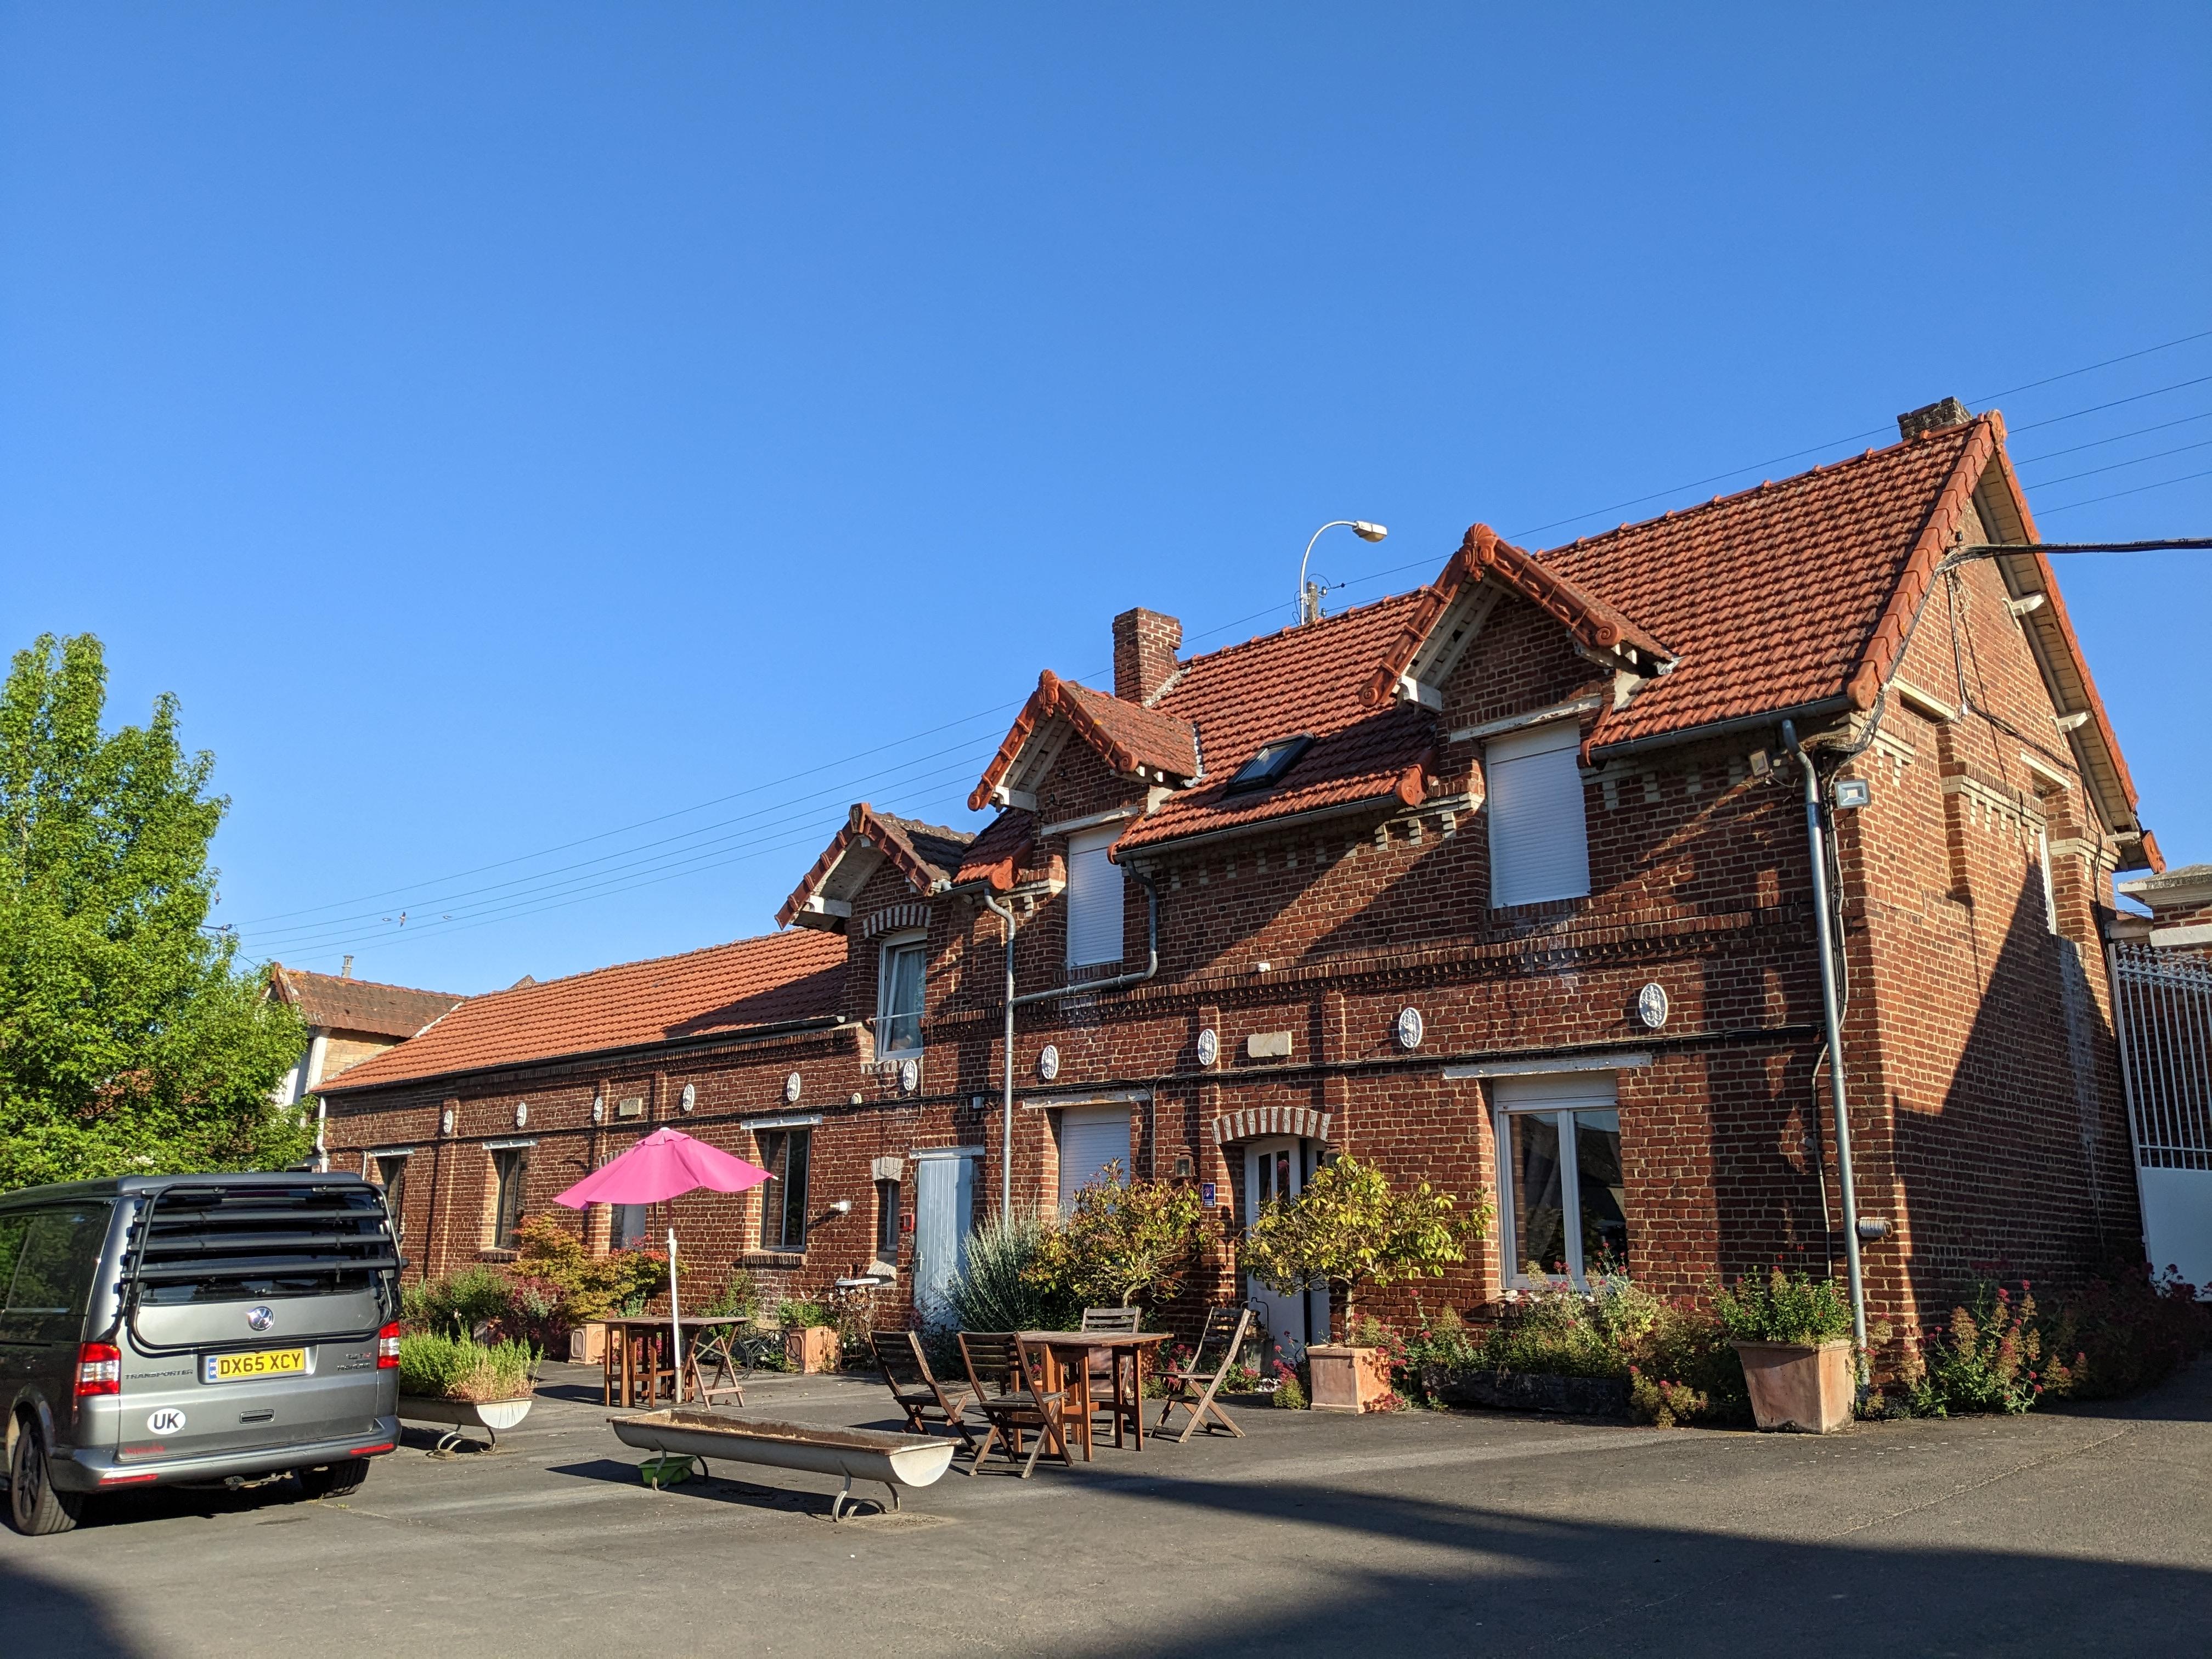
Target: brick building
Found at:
x=347, y=1020
x=1503, y=884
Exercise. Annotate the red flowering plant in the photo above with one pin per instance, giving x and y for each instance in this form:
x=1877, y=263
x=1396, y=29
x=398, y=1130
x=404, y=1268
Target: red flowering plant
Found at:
x=1989, y=1357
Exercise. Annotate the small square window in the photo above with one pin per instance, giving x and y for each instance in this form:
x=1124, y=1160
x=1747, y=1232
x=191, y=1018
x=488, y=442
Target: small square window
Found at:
x=887, y=1220
x=1267, y=769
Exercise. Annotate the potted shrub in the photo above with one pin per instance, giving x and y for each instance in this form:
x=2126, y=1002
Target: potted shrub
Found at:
x=1793, y=1335
x=464, y=1384
x=810, y=1337
x=1350, y=1229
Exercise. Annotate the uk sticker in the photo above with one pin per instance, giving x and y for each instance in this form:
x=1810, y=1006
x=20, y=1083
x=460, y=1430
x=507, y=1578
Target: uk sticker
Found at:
x=167, y=1420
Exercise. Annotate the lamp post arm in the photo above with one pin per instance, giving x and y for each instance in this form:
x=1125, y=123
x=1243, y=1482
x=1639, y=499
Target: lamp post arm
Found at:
x=1316, y=536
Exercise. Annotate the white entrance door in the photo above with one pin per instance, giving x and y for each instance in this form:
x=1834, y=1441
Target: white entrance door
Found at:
x=943, y=1202
x=1273, y=1169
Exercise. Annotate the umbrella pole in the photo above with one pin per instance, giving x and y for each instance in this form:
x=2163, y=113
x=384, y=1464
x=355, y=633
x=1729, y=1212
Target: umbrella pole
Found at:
x=675, y=1316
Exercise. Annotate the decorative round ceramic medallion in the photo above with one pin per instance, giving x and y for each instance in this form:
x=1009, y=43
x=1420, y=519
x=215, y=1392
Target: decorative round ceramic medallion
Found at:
x=1651, y=1005
x=909, y=1076
x=521, y=1113
x=446, y=1121
x=1410, y=1029
x=599, y=1109
x=1209, y=1046
x=690, y=1096
x=1049, y=1062
x=791, y=1088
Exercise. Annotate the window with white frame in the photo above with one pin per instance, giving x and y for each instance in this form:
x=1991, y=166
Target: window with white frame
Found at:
x=1539, y=844
x=784, y=1155
x=898, y=995
x=1094, y=899
x=1562, y=1201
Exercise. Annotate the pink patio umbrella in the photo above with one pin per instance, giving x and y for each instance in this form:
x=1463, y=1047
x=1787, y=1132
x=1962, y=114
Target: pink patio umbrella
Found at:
x=662, y=1165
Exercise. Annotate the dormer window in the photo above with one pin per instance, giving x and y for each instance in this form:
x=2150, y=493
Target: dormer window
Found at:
x=1266, y=769
x=898, y=996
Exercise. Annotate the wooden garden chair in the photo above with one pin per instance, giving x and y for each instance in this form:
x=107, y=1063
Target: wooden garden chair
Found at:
x=907, y=1374
x=1192, y=1385
x=713, y=1345
x=1105, y=1368
x=1003, y=1375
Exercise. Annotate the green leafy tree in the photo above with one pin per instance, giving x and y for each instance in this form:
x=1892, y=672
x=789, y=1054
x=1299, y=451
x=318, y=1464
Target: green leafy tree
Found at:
x=130, y=1037
x=1120, y=1243
x=1351, y=1231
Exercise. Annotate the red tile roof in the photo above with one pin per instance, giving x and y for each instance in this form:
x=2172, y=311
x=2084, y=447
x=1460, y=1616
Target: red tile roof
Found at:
x=1128, y=735
x=925, y=853
x=336, y=1003
x=1793, y=594
x=995, y=855
x=1306, y=679
x=1484, y=555
x=726, y=989
x=1787, y=595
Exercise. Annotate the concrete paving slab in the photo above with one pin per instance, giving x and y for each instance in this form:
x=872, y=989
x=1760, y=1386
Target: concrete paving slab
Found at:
x=1457, y=1533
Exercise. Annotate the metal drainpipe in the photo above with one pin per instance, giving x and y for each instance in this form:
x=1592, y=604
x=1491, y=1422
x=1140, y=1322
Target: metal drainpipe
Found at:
x=1151, y=955
x=1152, y=966
x=1816, y=840
x=1006, y=914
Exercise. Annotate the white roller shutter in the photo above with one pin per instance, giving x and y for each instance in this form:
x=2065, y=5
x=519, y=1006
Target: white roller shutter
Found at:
x=1094, y=899
x=1089, y=1141
x=1557, y=1091
x=1539, y=844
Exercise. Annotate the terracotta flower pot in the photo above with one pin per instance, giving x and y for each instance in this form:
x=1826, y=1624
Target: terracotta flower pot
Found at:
x=811, y=1348
x=1346, y=1379
x=1805, y=1386
x=587, y=1344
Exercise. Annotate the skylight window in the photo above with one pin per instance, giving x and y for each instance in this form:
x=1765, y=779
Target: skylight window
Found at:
x=1266, y=769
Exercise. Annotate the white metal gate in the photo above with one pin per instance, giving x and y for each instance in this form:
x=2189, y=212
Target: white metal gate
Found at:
x=2164, y=1004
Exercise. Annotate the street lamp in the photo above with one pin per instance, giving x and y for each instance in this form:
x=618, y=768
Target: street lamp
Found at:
x=1309, y=596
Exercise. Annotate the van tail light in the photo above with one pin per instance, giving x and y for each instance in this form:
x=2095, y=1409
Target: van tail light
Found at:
x=99, y=1369
x=387, y=1348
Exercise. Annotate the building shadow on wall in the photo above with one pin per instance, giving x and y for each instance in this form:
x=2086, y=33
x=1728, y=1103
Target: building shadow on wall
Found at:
x=2022, y=1169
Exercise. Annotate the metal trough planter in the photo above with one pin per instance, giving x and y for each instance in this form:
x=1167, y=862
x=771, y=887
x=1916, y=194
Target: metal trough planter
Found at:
x=490, y=1415
x=895, y=1459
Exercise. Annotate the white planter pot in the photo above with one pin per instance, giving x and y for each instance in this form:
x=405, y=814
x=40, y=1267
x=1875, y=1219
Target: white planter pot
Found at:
x=490, y=1415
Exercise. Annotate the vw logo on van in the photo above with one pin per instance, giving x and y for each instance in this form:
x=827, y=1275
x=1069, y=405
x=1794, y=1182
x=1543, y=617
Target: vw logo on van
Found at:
x=259, y=1319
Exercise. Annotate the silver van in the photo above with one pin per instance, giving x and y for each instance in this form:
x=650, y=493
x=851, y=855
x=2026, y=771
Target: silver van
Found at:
x=159, y=1330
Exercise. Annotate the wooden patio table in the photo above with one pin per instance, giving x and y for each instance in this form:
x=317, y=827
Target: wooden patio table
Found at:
x=1063, y=1346
x=634, y=1346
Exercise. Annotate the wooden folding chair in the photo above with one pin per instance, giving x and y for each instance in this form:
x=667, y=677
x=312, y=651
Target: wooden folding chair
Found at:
x=713, y=1344
x=1192, y=1385
x=907, y=1374
x=1003, y=1373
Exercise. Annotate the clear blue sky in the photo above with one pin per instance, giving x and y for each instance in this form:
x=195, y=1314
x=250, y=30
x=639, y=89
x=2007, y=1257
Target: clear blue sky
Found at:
x=503, y=425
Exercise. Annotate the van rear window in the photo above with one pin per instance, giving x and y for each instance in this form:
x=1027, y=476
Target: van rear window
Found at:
x=55, y=1258
x=215, y=1244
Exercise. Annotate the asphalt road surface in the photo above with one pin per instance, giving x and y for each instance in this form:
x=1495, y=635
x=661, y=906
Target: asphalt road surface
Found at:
x=2087, y=1532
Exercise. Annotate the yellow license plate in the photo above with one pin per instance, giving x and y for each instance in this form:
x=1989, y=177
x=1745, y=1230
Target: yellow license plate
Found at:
x=252, y=1367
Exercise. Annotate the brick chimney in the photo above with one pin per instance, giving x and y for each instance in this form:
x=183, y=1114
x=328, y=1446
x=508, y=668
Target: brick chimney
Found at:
x=1144, y=644
x=1933, y=418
